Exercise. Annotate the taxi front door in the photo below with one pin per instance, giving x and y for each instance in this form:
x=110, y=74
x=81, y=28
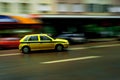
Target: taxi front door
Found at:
x=46, y=43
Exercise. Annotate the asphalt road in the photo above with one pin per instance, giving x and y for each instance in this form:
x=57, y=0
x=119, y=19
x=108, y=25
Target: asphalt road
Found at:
x=93, y=61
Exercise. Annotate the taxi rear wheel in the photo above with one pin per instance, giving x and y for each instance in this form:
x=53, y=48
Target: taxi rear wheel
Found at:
x=59, y=48
x=25, y=50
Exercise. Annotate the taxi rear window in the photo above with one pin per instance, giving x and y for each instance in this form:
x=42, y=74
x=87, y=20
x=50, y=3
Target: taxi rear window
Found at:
x=33, y=38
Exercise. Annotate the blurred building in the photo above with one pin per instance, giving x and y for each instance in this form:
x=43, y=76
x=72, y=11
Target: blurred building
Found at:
x=84, y=7
x=75, y=7
x=115, y=8
x=27, y=7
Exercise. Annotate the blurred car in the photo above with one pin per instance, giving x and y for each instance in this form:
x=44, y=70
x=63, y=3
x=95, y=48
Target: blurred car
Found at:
x=106, y=34
x=73, y=37
x=9, y=42
x=35, y=42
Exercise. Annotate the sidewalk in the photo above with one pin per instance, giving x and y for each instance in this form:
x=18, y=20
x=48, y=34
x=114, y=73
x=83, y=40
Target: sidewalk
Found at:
x=102, y=39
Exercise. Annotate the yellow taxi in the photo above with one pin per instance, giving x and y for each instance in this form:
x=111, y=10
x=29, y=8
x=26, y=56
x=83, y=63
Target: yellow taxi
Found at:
x=35, y=42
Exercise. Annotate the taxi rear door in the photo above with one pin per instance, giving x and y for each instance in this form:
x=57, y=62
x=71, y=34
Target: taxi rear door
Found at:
x=34, y=42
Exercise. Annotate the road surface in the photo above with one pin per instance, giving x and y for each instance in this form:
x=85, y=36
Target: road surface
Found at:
x=92, y=61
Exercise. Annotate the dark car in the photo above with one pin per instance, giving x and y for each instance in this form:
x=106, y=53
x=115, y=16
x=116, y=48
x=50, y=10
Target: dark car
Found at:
x=9, y=42
x=73, y=37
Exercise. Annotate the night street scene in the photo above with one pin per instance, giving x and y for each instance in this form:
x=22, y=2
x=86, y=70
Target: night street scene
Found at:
x=59, y=39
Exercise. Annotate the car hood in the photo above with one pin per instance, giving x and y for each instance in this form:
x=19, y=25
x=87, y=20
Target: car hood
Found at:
x=63, y=40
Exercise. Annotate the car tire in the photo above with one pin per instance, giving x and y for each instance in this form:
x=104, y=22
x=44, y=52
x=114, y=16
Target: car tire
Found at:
x=59, y=48
x=25, y=50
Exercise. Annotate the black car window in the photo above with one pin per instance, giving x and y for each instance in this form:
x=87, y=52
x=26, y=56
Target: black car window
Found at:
x=33, y=38
x=44, y=38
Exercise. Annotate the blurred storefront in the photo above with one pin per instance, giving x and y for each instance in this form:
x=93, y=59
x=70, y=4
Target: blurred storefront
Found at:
x=17, y=25
x=92, y=26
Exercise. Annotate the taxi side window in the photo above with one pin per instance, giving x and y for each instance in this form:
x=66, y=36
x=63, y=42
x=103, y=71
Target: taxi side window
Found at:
x=45, y=38
x=26, y=39
x=33, y=38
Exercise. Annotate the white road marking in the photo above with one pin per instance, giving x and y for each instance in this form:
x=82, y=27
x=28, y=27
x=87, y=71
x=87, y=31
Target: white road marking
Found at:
x=99, y=46
x=9, y=54
x=72, y=59
x=78, y=48
x=108, y=45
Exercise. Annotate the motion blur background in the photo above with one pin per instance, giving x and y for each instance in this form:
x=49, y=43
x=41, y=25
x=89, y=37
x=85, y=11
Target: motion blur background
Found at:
x=94, y=18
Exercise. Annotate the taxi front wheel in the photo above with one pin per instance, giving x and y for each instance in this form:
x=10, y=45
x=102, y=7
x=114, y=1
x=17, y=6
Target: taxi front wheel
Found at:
x=59, y=48
x=25, y=50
